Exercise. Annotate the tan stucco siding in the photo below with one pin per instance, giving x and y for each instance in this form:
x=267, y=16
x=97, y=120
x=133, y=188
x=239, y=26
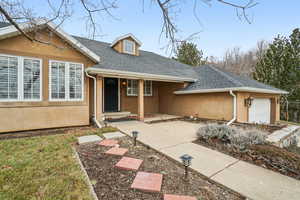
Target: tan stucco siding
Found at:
x=211, y=105
x=243, y=111
x=130, y=103
x=45, y=113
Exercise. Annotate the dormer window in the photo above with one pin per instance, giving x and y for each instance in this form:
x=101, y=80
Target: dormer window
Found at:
x=128, y=46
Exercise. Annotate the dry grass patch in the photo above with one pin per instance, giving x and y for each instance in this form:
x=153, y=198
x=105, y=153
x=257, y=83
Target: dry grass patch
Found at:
x=43, y=167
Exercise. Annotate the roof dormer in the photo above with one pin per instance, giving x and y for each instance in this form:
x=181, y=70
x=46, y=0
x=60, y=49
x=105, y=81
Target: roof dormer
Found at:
x=127, y=44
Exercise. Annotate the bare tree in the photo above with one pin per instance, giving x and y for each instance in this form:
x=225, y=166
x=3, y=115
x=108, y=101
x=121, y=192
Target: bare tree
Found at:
x=243, y=63
x=17, y=11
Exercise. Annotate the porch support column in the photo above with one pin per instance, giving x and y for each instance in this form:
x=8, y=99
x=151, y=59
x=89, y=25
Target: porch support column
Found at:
x=99, y=99
x=141, y=100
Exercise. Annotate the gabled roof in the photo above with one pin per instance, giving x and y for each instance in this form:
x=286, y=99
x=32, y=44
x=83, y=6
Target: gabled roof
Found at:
x=7, y=30
x=146, y=64
x=126, y=36
x=212, y=79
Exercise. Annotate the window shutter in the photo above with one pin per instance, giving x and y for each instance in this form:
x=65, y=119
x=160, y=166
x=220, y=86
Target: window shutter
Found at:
x=8, y=78
x=31, y=79
x=75, y=81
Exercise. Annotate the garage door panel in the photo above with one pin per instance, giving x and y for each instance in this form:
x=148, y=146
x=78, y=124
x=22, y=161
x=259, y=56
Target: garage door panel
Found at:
x=260, y=111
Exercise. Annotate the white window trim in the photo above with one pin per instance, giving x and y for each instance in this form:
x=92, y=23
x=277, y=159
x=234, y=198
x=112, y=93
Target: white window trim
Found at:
x=21, y=79
x=67, y=88
x=151, y=90
x=135, y=95
x=124, y=49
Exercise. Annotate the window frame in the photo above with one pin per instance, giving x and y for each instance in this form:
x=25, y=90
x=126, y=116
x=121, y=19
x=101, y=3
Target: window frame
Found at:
x=20, y=79
x=151, y=90
x=124, y=47
x=67, y=82
x=134, y=95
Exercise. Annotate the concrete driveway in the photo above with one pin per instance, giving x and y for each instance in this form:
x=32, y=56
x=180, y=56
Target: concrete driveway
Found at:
x=175, y=139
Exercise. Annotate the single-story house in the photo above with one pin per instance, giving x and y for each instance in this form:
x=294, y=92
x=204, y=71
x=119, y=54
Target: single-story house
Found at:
x=70, y=81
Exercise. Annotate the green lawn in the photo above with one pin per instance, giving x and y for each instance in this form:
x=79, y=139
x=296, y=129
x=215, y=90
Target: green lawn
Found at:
x=43, y=167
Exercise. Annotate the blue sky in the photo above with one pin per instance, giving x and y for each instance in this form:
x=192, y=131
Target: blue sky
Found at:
x=220, y=28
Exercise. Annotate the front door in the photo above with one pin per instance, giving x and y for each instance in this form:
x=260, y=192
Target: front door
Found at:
x=111, y=95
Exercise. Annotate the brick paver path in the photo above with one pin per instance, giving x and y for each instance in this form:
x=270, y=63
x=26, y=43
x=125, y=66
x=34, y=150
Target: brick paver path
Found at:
x=108, y=143
x=147, y=181
x=117, y=151
x=129, y=163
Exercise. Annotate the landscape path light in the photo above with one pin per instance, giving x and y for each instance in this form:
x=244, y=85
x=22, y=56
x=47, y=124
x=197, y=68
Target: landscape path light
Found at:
x=134, y=135
x=186, y=161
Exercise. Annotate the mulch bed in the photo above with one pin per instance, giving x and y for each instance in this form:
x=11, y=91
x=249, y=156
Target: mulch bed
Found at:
x=268, y=156
x=44, y=132
x=111, y=183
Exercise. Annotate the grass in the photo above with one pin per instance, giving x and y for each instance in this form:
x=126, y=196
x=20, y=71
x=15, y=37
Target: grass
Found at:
x=43, y=167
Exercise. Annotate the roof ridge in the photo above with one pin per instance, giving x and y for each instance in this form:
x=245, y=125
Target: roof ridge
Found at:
x=227, y=76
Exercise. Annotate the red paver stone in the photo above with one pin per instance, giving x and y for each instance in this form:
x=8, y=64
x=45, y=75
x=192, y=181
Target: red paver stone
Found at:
x=108, y=143
x=178, y=197
x=147, y=181
x=117, y=151
x=129, y=163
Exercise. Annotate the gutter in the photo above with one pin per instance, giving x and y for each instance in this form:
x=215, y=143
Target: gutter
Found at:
x=95, y=100
x=234, y=108
x=241, y=89
x=138, y=75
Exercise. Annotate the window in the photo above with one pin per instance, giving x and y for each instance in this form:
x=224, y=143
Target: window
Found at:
x=148, y=88
x=128, y=46
x=66, y=81
x=20, y=78
x=132, y=88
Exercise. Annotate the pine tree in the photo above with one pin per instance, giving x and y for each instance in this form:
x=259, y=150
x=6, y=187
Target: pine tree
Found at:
x=280, y=65
x=188, y=53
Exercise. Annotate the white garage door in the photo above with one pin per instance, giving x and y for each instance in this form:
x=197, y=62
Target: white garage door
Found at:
x=260, y=111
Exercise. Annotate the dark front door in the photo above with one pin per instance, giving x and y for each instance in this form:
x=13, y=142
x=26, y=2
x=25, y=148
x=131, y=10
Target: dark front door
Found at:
x=111, y=94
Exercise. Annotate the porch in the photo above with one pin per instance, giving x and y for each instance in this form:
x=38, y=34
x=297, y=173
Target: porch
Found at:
x=140, y=99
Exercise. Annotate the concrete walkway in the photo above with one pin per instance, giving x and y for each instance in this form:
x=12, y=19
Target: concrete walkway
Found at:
x=175, y=139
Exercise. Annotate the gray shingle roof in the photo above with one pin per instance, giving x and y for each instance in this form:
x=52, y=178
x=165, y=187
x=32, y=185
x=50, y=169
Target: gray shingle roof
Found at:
x=207, y=76
x=146, y=62
x=210, y=77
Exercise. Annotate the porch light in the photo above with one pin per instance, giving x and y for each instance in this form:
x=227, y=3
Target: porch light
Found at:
x=186, y=161
x=124, y=83
x=134, y=135
x=248, y=101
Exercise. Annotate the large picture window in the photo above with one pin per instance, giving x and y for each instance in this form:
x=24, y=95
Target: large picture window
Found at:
x=132, y=88
x=20, y=78
x=66, y=81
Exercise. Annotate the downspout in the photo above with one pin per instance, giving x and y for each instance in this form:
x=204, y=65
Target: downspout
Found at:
x=95, y=100
x=234, y=108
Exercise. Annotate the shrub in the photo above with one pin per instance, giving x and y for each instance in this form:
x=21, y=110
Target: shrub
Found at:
x=245, y=138
x=237, y=138
x=219, y=131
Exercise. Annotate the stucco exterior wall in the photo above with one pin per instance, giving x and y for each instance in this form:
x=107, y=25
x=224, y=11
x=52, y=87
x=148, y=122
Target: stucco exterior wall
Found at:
x=130, y=103
x=210, y=106
x=243, y=111
x=16, y=116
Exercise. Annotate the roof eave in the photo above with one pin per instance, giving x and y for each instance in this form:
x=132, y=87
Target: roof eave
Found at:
x=137, y=75
x=239, y=89
x=10, y=31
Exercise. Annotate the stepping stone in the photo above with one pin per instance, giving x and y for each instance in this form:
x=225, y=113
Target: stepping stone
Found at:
x=108, y=143
x=150, y=182
x=117, y=151
x=129, y=163
x=89, y=138
x=178, y=197
x=111, y=135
